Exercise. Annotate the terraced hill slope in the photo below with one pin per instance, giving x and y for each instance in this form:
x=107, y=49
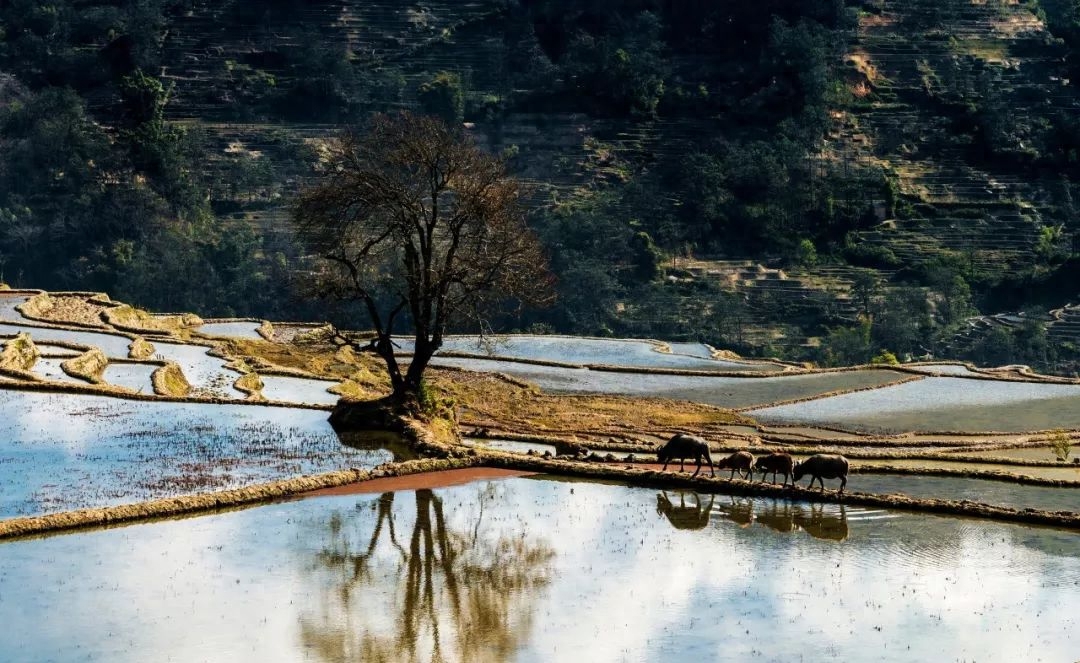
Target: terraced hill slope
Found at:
x=959, y=186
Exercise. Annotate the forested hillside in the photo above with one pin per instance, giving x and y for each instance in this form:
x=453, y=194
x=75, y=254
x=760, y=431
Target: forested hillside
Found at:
x=815, y=179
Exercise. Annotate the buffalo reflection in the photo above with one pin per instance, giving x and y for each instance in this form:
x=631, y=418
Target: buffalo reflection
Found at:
x=739, y=511
x=683, y=516
x=449, y=593
x=780, y=516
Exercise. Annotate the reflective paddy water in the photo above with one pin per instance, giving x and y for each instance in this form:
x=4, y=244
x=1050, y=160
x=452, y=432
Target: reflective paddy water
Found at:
x=692, y=349
x=722, y=391
x=242, y=329
x=8, y=304
x=611, y=352
x=539, y=570
x=206, y=373
x=65, y=451
x=944, y=369
x=113, y=345
x=50, y=368
x=941, y=404
x=999, y=493
x=137, y=377
x=298, y=390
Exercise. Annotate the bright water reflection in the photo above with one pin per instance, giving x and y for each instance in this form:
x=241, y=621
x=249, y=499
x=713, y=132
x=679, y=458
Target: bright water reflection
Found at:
x=1000, y=493
x=941, y=404
x=241, y=329
x=206, y=373
x=137, y=377
x=722, y=391
x=8, y=304
x=66, y=451
x=611, y=352
x=50, y=368
x=298, y=390
x=113, y=345
x=537, y=570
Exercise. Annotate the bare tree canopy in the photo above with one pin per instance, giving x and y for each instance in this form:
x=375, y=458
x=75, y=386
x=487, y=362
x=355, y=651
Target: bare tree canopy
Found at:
x=412, y=217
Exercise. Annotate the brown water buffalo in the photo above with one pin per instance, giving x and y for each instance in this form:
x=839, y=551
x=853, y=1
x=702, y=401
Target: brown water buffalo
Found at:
x=823, y=466
x=782, y=463
x=743, y=461
x=683, y=446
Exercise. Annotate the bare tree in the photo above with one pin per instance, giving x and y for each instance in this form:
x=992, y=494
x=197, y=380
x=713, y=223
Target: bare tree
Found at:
x=413, y=218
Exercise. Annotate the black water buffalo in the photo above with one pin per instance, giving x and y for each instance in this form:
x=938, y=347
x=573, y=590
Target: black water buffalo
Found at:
x=782, y=463
x=743, y=461
x=823, y=466
x=683, y=446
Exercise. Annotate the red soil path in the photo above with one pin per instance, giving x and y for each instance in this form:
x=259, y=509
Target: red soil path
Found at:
x=440, y=479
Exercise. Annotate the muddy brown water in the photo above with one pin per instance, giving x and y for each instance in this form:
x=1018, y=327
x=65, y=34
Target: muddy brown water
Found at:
x=538, y=570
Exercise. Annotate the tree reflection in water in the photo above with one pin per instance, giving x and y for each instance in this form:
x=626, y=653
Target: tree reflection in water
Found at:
x=447, y=594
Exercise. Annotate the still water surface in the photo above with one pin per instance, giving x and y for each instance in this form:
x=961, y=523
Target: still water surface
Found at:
x=542, y=570
x=64, y=451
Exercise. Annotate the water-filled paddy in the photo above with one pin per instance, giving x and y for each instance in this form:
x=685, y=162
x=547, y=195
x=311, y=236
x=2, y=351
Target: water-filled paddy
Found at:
x=944, y=369
x=298, y=390
x=941, y=404
x=242, y=329
x=1065, y=472
x=207, y=374
x=513, y=446
x=66, y=451
x=113, y=345
x=8, y=302
x=137, y=377
x=1020, y=453
x=57, y=350
x=998, y=493
x=50, y=368
x=693, y=349
x=537, y=570
x=722, y=391
x=612, y=352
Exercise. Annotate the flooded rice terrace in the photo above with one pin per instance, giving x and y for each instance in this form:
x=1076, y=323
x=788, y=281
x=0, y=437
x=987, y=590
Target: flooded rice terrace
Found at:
x=207, y=374
x=543, y=570
x=238, y=329
x=64, y=451
x=298, y=390
x=732, y=392
x=113, y=345
x=940, y=404
x=598, y=351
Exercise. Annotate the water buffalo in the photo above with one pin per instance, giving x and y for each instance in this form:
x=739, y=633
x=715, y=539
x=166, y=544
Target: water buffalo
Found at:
x=823, y=466
x=743, y=461
x=683, y=446
x=782, y=463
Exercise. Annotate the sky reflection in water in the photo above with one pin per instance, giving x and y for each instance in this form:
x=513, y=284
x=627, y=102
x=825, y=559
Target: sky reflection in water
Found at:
x=541, y=570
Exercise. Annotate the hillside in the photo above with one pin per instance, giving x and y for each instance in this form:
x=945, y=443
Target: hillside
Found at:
x=816, y=180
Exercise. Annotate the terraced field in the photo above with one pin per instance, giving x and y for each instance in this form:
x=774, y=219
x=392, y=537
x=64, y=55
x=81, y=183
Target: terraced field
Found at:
x=78, y=451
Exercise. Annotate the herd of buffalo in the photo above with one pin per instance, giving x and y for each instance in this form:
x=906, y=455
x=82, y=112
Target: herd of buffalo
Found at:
x=820, y=467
